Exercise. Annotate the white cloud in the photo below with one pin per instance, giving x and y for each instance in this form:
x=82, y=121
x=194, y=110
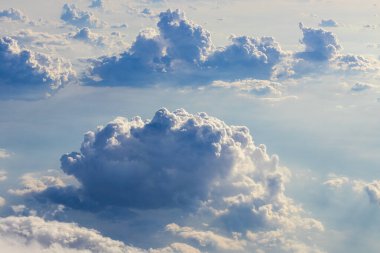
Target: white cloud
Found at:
x=13, y=14
x=320, y=45
x=4, y=153
x=182, y=52
x=3, y=175
x=86, y=35
x=34, y=234
x=24, y=70
x=328, y=23
x=194, y=165
x=357, y=87
x=74, y=16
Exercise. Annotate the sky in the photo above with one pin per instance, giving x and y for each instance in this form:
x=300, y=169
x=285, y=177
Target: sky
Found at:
x=167, y=126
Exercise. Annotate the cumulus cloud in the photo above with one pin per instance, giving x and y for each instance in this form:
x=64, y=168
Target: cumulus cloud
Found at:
x=246, y=57
x=34, y=234
x=76, y=17
x=358, y=87
x=320, y=45
x=13, y=14
x=185, y=40
x=369, y=189
x=87, y=36
x=97, y=4
x=24, y=70
x=193, y=166
x=328, y=23
x=183, y=52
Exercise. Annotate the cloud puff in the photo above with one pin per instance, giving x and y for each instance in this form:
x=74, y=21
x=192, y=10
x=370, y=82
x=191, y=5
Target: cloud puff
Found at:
x=370, y=189
x=97, y=4
x=357, y=87
x=86, y=35
x=185, y=40
x=320, y=45
x=246, y=57
x=13, y=14
x=328, y=23
x=76, y=17
x=4, y=153
x=182, y=52
x=3, y=175
x=25, y=70
x=34, y=234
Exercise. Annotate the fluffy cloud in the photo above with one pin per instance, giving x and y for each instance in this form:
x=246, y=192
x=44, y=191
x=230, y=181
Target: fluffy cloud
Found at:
x=182, y=52
x=13, y=14
x=86, y=35
x=357, y=87
x=328, y=23
x=320, y=45
x=25, y=70
x=34, y=234
x=247, y=57
x=97, y=4
x=74, y=16
x=370, y=189
x=215, y=183
x=185, y=40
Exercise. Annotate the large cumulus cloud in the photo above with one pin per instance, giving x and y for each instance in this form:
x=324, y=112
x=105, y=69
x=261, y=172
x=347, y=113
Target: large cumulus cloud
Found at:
x=206, y=182
x=24, y=70
x=182, y=52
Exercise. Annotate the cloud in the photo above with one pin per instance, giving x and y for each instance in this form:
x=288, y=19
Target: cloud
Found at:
x=328, y=23
x=246, y=57
x=3, y=175
x=13, y=14
x=185, y=40
x=373, y=191
x=4, y=153
x=358, y=87
x=76, y=17
x=87, y=36
x=34, y=234
x=23, y=70
x=182, y=52
x=97, y=4
x=320, y=45
x=205, y=181
x=370, y=189
x=207, y=238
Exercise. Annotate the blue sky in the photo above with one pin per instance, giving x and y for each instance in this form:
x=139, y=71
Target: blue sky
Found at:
x=177, y=126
